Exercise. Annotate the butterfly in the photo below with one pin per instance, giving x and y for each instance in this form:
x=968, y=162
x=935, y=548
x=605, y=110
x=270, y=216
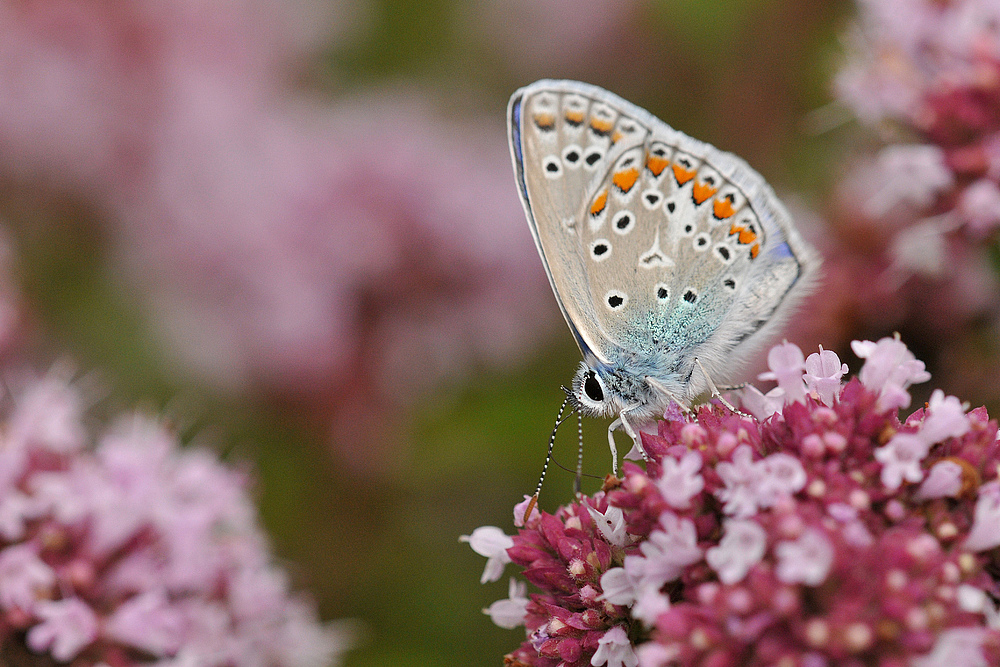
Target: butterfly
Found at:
x=672, y=261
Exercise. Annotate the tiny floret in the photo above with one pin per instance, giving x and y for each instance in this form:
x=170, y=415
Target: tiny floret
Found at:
x=787, y=365
x=742, y=546
x=679, y=480
x=510, y=613
x=806, y=560
x=615, y=650
x=890, y=368
x=824, y=371
x=491, y=542
x=611, y=523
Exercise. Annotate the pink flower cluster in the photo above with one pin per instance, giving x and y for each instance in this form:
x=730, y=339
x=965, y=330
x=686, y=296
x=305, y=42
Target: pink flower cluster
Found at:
x=126, y=550
x=823, y=531
x=345, y=254
x=932, y=69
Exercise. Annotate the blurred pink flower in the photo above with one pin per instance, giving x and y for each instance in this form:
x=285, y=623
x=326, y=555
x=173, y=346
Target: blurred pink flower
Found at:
x=914, y=220
x=931, y=69
x=125, y=549
x=349, y=256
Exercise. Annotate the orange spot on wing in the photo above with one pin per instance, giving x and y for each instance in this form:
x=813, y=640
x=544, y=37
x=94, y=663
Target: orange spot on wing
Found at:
x=746, y=236
x=601, y=126
x=545, y=121
x=624, y=180
x=681, y=174
x=723, y=208
x=599, y=203
x=700, y=192
x=754, y=250
x=574, y=117
x=656, y=164
x=616, y=136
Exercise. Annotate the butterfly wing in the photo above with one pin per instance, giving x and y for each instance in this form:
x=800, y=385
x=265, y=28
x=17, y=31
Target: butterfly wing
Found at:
x=559, y=141
x=657, y=245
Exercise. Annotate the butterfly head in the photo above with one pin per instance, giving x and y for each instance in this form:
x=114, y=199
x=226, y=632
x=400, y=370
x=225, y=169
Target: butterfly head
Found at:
x=600, y=391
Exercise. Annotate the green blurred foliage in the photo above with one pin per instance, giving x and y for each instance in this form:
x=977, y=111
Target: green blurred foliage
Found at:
x=385, y=549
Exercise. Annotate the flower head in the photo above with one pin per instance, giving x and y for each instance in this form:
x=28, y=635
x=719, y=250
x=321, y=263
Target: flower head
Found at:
x=830, y=532
x=125, y=549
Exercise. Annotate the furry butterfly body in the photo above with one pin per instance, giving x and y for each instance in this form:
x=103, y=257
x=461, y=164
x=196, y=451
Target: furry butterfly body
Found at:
x=672, y=261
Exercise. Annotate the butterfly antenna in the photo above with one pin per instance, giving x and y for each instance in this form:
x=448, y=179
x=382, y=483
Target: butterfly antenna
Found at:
x=548, y=458
x=579, y=453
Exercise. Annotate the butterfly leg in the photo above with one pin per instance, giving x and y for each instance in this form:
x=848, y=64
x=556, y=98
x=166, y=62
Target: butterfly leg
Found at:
x=715, y=390
x=632, y=433
x=614, y=448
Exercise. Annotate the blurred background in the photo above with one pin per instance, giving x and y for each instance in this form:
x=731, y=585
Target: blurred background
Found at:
x=292, y=227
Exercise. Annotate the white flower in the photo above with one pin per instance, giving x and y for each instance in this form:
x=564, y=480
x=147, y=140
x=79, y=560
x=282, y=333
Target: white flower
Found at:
x=985, y=531
x=970, y=598
x=954, y=647
x=807, y=560
x=761, y=405
x=900, y=459
x=611, y=523
x=665, y=553
x=510, y=613
x=787, y=364
x=890, y=368
x=742, y=478
x=618, y=586
x=742, y=546
x=780, y=475
x=679, y=481
x=823, y=373
x=919, y=249
x=979, y=203
x=493, y=543
x=910, y=173
x=943, y=481
x=615, y=650
x=68, y=626
x=24, y=577
x=945, y=419
x=649, y=605
x=751, y=485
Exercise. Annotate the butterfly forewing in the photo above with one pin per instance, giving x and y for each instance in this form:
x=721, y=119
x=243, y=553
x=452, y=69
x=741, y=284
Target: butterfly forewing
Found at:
x=655, y=243
x=561, y=141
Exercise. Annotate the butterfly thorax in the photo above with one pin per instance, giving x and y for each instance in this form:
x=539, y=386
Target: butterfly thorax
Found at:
x=636, y=385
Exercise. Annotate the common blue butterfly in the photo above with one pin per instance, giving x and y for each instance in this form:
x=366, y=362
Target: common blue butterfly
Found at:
x=672, y=261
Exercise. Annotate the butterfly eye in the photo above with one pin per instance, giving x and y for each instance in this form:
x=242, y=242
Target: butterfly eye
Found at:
x=592, y=387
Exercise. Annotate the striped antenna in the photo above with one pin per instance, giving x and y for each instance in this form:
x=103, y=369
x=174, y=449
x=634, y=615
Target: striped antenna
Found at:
x=548, y=458
x=579, y=454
